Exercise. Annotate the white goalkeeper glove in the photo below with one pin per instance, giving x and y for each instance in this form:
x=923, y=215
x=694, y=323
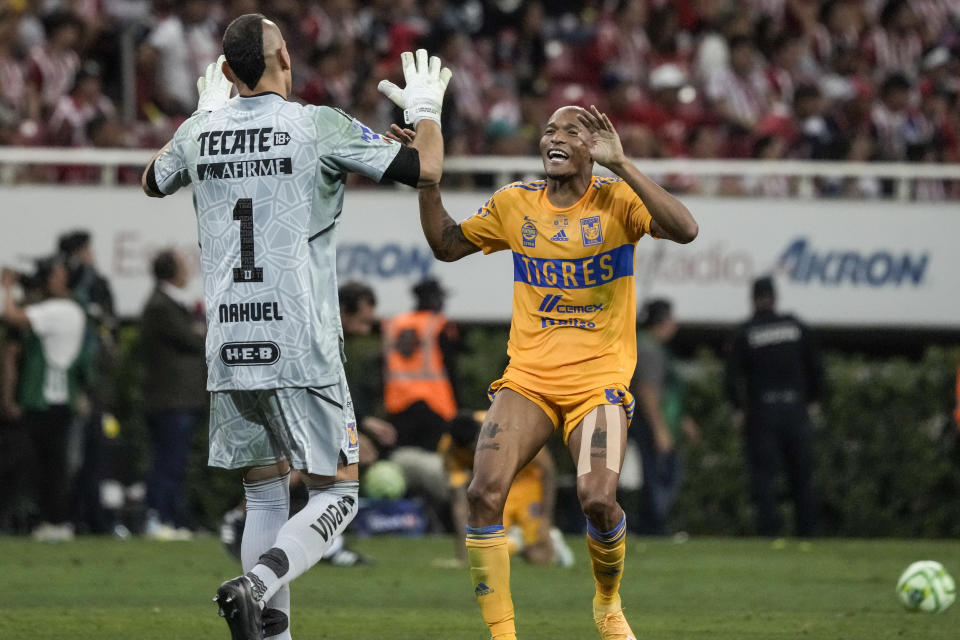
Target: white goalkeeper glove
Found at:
x=426, y=83
x=214, y=87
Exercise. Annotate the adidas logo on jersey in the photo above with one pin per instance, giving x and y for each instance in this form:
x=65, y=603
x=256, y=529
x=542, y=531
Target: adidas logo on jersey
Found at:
x=482, y=590
x=559, y=236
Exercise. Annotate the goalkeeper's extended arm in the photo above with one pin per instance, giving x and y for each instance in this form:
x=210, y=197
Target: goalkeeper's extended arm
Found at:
x=421, y=101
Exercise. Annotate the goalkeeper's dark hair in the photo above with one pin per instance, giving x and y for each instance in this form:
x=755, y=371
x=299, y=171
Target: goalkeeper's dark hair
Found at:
x=243, y=48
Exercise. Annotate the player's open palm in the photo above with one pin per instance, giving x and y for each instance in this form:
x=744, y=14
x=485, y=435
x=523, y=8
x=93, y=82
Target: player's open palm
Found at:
x=604, y=144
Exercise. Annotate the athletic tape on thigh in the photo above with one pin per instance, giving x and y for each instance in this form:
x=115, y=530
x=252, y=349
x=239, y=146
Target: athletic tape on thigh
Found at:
x=612, y=415
x=586, y=438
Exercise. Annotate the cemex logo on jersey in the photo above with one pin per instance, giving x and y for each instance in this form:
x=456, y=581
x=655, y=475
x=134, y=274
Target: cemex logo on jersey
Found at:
x=244, y=354
x=550, y=301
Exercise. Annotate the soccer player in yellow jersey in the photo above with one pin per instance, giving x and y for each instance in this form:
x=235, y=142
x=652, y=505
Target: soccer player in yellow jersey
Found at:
x=572, y=341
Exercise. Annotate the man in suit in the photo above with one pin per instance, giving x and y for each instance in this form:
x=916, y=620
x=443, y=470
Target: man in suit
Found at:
x=172, y=335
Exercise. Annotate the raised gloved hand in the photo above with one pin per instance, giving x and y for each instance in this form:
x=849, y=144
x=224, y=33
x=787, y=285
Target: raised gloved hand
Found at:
x=422, y=98
x=214, y=87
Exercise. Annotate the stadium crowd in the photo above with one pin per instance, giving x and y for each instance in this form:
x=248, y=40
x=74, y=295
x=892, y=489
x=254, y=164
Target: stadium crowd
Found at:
x=863, y=80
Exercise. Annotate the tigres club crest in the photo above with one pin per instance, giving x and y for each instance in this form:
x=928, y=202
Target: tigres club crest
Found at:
x=590, y=231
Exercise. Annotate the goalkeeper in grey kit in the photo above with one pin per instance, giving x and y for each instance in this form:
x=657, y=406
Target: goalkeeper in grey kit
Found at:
x=268, y=181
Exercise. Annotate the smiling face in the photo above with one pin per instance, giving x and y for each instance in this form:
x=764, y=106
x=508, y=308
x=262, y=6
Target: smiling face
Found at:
x=564, y=145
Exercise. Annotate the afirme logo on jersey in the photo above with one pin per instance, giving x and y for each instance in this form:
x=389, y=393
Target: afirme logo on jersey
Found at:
x=235, y=354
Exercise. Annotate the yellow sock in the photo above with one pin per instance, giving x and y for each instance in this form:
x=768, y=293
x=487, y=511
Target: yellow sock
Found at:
x=607, y=550
x=490, y=573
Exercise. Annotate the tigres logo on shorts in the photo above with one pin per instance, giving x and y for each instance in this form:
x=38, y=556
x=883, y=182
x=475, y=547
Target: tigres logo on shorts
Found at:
x=352, y=439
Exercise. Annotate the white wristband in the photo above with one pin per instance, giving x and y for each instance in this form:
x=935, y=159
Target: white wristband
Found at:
x=416, y=113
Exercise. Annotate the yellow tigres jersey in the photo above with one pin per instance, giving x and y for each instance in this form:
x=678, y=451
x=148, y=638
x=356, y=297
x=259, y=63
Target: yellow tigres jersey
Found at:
x=574, y=297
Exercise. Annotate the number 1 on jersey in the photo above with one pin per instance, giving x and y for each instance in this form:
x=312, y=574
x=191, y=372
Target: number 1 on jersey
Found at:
x=247, y=271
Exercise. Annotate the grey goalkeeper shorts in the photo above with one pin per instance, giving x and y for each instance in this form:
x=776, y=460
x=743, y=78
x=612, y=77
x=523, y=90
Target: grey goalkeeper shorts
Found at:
x=313, y=428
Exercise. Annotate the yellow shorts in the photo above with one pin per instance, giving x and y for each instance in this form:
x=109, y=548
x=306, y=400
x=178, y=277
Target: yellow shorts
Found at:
x=524, y=508
x=569, y=410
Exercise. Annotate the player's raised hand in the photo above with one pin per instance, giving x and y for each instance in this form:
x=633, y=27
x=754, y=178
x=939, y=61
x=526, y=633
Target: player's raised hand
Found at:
x=605, y=147
x=426, y=82
x=400, y=134
x=214, y=87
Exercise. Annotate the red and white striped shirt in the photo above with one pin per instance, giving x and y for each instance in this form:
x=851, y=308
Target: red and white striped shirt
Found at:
x=12, y=83
x=53, y=73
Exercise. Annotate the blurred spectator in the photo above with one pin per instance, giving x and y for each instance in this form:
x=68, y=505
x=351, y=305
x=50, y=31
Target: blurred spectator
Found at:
x=956, y=406
x=176, y=53
x=661, y=422
x=95, y=397
x=85, y=103
x=740, y=92
x=172, y=338
x=15, y=500
x=671, y=113
x=889, y=118
x=53, y=65
x=418, y=351
x=894, y=44
x=768, y=147
x=51, y=347
x=773, y=373
x=13, y=85
x=358, y=307
x=621, y=45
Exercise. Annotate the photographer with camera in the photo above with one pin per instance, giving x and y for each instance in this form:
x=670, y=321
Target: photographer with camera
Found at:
x=53, y=336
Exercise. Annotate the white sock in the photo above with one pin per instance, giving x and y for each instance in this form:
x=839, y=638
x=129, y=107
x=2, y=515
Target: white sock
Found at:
x=268, y=508
x=305, y=537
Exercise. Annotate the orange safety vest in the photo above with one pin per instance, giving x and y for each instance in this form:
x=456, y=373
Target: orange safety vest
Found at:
x=413, y=364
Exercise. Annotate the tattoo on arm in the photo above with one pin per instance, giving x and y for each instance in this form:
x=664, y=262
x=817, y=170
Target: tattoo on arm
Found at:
x=454, y=245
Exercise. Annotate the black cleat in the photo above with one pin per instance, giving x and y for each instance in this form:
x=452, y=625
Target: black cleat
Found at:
x=242, y=613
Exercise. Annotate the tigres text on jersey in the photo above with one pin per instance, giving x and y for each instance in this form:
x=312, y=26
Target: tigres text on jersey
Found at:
x=268, y=180
x=574, y=297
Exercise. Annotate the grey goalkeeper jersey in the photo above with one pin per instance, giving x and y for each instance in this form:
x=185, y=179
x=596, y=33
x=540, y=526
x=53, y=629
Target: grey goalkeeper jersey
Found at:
x=268, y=179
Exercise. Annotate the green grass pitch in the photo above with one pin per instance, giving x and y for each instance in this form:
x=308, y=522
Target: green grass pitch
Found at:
x=721, y=589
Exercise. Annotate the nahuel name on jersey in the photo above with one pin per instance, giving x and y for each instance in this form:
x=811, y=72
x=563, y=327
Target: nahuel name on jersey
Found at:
x=245, y=168
x=213, y=143
x=249, y=312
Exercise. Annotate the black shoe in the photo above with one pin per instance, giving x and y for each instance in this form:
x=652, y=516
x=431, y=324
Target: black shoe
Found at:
x=242, y=613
